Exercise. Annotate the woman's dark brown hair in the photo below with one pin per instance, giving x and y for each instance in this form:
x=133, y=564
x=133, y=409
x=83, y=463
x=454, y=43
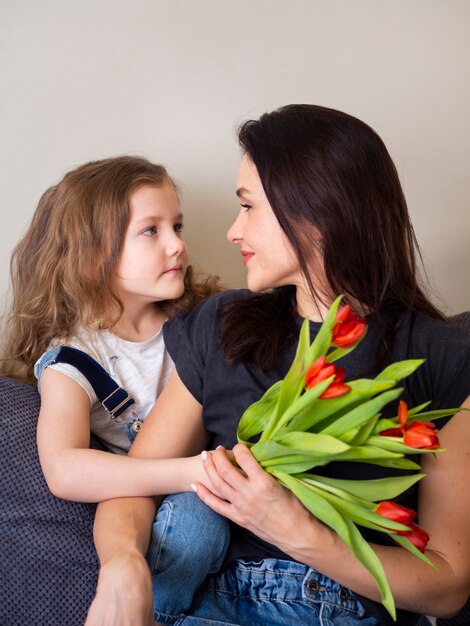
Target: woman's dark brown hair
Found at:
x=325, y=169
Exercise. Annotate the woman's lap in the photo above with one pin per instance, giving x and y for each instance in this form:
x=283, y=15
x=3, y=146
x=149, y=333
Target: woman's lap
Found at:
x=278, y=593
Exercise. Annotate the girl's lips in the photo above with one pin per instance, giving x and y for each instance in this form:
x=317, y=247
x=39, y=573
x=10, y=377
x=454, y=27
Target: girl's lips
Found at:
x=246, y=256
x=175, y=268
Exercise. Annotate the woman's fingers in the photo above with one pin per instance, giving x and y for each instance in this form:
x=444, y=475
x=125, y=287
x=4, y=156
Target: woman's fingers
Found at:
x=223, y=507
x=220, y=471
x=247, y=462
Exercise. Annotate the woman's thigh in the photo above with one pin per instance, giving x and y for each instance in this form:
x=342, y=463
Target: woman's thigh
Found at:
x=278, y=593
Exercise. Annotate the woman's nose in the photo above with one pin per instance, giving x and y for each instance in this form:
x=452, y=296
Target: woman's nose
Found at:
x=234, y=233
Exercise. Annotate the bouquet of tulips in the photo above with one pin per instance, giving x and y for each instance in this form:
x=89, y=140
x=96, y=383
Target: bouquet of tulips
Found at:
x=313, y=417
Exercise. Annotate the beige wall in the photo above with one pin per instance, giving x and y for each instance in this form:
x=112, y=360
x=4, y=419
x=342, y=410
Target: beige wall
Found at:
x=171, y=79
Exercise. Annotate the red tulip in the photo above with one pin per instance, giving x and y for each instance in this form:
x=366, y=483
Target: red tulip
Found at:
x=402, y=413
x=403, y=515
x=335, y=391
x=415, y=435
x=417, y=535
x=319, y=371
x=396, y=512
x=421, y=435
x=349, y=328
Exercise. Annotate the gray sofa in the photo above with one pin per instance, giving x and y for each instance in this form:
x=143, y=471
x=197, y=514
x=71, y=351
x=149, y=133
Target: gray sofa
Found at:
x=48, y=564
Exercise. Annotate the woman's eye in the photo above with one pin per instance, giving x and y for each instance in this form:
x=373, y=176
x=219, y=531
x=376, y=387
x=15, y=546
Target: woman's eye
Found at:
x=148, y=232
x=246, y=206
x=178, y=228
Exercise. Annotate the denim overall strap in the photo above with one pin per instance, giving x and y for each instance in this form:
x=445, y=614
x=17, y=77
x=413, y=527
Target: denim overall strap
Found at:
x=114, y=398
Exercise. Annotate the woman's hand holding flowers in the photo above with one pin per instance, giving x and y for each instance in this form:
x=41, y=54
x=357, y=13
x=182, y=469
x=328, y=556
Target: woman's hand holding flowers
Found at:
x=252, y=498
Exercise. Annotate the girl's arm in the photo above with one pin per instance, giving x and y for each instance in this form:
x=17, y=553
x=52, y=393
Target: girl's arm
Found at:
x=253, y=499
x=122, y=528
x=75, y=472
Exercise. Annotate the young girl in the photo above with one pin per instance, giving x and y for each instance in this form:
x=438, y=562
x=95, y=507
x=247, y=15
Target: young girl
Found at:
x=101, y=267
x=322, y=213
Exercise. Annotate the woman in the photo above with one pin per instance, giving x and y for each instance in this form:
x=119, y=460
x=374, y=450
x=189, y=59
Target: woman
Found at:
x=322, y=214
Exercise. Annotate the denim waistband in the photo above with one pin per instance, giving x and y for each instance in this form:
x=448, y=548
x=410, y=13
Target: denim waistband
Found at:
x=275, y=593
x=272, y=579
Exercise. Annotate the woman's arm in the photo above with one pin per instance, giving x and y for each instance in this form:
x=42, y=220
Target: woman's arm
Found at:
x=173, y=428
x=256, y=501
x=75, y=472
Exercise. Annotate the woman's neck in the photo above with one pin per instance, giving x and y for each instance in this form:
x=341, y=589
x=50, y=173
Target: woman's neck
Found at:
x=314, y=310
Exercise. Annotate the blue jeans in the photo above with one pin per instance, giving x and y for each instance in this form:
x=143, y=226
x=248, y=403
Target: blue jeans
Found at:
x=189, y=541
x=272, y=593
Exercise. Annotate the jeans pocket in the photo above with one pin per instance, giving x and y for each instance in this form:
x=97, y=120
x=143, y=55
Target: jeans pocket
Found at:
x=159, y=531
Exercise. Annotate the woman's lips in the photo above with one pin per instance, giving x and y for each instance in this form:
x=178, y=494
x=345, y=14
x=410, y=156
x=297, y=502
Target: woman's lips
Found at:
x=246, y=256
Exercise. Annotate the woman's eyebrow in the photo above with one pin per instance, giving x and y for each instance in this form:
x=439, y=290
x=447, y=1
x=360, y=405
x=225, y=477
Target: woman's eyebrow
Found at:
x=242, y=191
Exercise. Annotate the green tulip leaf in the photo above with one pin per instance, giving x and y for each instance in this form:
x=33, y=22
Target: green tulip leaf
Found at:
x=374, y=490
x=361, y=414
x=348, y=532
x=429, y=416
x=322, y=341
x=417, y=409
x=318, y=444
x=293, y=382
x=395, y=444
x=394, y=463
x=355, y=510
x=406, y=543
x=301, y=404
x=358, y=436
x=322, y=412
x=256, y=416
x=401, y=369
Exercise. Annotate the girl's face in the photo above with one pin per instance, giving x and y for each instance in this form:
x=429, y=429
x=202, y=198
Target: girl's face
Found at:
x=153, y=259
x=267, y=254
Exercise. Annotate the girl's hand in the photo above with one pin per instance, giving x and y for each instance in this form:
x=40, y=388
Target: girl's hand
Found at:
x=124, y=594
x=252, y=498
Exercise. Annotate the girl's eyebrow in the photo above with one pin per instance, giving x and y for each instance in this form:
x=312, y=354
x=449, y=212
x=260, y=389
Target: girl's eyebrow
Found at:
x=156, y=218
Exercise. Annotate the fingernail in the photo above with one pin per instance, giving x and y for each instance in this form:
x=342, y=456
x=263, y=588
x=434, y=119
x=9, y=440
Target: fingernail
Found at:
x=193, y=487
x=221, y=446
x=203, y=455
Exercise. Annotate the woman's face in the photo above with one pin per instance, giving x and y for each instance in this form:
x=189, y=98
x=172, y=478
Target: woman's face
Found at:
x=267, y=253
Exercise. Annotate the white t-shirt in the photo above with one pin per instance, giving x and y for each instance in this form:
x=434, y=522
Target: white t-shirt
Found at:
x=141, y=368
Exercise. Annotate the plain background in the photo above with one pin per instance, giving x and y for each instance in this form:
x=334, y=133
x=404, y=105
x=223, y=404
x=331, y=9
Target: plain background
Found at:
x=172, y=79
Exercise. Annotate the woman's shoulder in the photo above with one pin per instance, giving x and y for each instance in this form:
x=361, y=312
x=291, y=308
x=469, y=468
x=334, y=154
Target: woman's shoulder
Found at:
x=445, y=347
x=435, y=333
x=219, y=299
x=209, y=308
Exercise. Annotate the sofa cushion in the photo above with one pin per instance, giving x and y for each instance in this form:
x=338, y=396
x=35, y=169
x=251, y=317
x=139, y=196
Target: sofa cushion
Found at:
x=48, y=564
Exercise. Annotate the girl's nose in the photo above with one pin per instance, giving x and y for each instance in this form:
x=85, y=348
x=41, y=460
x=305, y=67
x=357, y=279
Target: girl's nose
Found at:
x=176, y=246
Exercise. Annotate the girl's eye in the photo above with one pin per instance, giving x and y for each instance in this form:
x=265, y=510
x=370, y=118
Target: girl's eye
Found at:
x=178, y=228
x=148, y=232
x=247, y=207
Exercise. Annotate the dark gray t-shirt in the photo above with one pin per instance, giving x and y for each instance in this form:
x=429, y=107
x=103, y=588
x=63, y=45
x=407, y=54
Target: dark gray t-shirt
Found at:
x=225, y=391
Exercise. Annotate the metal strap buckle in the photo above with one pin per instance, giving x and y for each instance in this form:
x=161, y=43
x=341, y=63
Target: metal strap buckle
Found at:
x=116, y=408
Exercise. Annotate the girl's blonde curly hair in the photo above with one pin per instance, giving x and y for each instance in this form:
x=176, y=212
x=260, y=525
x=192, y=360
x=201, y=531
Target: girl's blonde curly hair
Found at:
x=61, y=270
